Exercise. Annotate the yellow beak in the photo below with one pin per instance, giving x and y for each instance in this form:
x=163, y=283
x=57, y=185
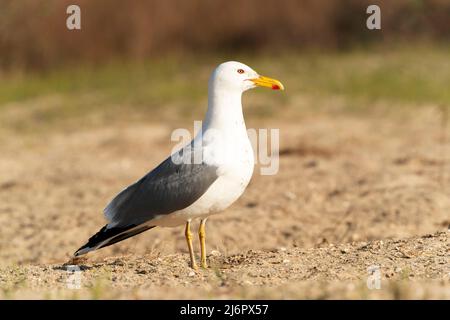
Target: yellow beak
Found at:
x=268, y=82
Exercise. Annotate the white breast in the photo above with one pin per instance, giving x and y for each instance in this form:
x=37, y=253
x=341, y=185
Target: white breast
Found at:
x=233, y=179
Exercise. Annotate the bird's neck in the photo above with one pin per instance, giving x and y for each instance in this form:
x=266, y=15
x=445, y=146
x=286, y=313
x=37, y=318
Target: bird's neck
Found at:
x=225, y=111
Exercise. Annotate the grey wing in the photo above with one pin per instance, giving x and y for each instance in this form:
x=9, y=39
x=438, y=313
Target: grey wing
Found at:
x=168, y=188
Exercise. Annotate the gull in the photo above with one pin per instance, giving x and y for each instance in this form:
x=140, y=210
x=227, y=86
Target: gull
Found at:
x=201, y=179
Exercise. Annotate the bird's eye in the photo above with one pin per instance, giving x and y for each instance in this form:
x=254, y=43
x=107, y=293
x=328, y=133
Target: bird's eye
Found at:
x=240, y=71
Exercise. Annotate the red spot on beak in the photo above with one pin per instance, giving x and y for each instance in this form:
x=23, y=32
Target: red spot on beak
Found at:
x=275, y=87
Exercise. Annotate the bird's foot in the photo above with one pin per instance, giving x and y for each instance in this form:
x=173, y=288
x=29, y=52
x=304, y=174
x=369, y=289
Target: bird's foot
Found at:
x=194, y=266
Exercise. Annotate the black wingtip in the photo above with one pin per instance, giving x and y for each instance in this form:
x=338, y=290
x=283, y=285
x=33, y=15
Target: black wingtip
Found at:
x=96, y=239
x=108, y=236
x=83, y=250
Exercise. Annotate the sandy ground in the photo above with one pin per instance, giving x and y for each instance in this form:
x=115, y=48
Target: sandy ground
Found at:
x=353, y=192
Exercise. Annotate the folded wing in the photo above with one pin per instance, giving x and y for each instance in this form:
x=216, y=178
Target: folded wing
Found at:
x=168, y=188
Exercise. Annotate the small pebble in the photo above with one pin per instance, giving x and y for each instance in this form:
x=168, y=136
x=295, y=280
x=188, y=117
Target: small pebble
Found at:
x=290, y=195
x=216, y=253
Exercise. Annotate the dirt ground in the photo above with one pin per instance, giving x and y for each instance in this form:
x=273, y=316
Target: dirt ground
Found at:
x=354, y=192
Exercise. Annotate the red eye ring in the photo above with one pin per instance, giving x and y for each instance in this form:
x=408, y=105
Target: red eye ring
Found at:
x=240, y=71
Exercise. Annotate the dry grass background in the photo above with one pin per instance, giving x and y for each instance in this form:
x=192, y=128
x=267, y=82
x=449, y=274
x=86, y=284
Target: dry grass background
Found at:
x=33, y=33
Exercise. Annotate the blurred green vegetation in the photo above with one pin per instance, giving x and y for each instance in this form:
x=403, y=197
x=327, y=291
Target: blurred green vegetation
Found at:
x=412, y=75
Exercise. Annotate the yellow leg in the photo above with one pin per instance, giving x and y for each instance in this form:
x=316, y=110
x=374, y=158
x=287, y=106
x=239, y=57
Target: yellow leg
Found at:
x=201, y=235
x=188, y=234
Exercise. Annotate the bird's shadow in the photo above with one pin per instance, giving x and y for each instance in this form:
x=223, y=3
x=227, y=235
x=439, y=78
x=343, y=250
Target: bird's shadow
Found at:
x=74, y=264
x=71, y=267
